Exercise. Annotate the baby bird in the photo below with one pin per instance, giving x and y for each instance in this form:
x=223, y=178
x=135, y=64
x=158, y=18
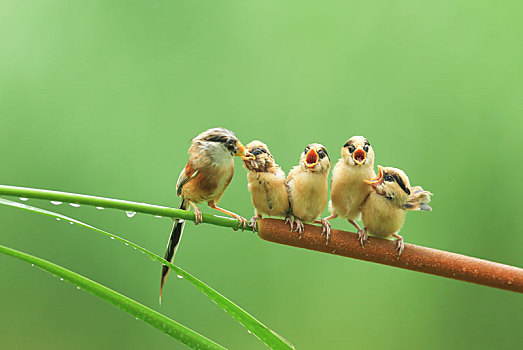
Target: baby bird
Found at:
x=307, y=187
x=266, y=182
x=204, y=179
x=348, y=191
x=385, y=209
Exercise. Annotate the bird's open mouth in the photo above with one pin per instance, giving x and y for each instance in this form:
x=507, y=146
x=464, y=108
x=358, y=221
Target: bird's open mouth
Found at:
x=378, y=180
x=311, y=159
x=248, y=156
x=359, y=156
x=249, y=160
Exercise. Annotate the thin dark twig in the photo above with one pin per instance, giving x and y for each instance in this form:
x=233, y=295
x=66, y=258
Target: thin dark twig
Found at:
x=416, y=258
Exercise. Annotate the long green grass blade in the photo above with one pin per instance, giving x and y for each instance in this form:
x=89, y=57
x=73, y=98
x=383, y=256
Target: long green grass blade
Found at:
x=116, y=204
x=269, y=337
x=140, y=311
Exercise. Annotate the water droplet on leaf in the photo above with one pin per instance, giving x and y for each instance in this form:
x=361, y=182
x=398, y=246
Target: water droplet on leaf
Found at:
x=56, y=202
x=130, y=214
x=76, y=205
x=24, y=199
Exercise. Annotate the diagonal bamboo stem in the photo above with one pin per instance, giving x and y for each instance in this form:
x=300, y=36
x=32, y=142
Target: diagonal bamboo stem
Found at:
x=416, y=258
x=381, y=251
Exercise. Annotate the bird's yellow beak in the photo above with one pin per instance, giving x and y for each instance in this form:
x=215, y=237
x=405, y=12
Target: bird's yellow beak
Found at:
x=248, y=156
x=378, y=180
x=241, y=150
x=359, y=156
x=311, y=158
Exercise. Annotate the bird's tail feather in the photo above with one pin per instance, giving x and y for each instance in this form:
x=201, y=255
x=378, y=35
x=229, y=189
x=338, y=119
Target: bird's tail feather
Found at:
x=418, y=199
x=172, y=245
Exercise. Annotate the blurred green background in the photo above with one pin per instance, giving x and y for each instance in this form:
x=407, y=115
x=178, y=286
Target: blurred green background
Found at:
x=103, y=97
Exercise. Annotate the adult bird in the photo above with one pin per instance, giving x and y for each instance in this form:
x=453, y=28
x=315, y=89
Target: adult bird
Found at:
x=204, y=179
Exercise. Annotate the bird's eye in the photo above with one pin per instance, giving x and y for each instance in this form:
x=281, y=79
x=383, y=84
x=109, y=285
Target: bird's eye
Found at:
x=388, y=178
x=256, y=152
x=322, y=154
x=230, y=144
x=351, y=148
x=366, y=148
x=306, y=150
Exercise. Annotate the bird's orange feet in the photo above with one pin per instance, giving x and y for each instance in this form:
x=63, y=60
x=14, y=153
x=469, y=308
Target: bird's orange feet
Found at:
x=198, y=217
x=242, y=223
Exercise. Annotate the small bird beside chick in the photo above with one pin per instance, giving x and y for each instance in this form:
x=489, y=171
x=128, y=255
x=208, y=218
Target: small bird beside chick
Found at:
x=266, y=183
x=348, y=191
x=204, y=179
x=307, y=187
x=384, y=211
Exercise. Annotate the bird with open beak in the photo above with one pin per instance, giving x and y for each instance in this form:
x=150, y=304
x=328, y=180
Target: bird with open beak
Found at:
x=384, y=211
x=348, y=191
x=266, y=183
x=307, y=188
x=204, y=179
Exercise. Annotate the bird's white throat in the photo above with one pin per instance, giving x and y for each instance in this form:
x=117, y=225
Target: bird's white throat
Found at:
x=217, y=152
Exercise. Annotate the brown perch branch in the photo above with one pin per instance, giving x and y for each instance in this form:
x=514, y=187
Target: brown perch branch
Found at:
x=416, y=258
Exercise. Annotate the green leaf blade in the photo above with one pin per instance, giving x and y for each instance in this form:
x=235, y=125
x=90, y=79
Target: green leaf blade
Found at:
x=262, y=332
x=140, y=311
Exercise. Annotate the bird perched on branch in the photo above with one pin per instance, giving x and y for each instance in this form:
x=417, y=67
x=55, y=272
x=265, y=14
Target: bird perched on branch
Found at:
x=266, y=182
x=204, y=179
x=348, y=191
x=384, y=211
x=307, y=187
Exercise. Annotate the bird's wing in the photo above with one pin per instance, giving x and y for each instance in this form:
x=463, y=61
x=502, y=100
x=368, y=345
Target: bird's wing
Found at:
x=186, y=175
x=418, y=199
